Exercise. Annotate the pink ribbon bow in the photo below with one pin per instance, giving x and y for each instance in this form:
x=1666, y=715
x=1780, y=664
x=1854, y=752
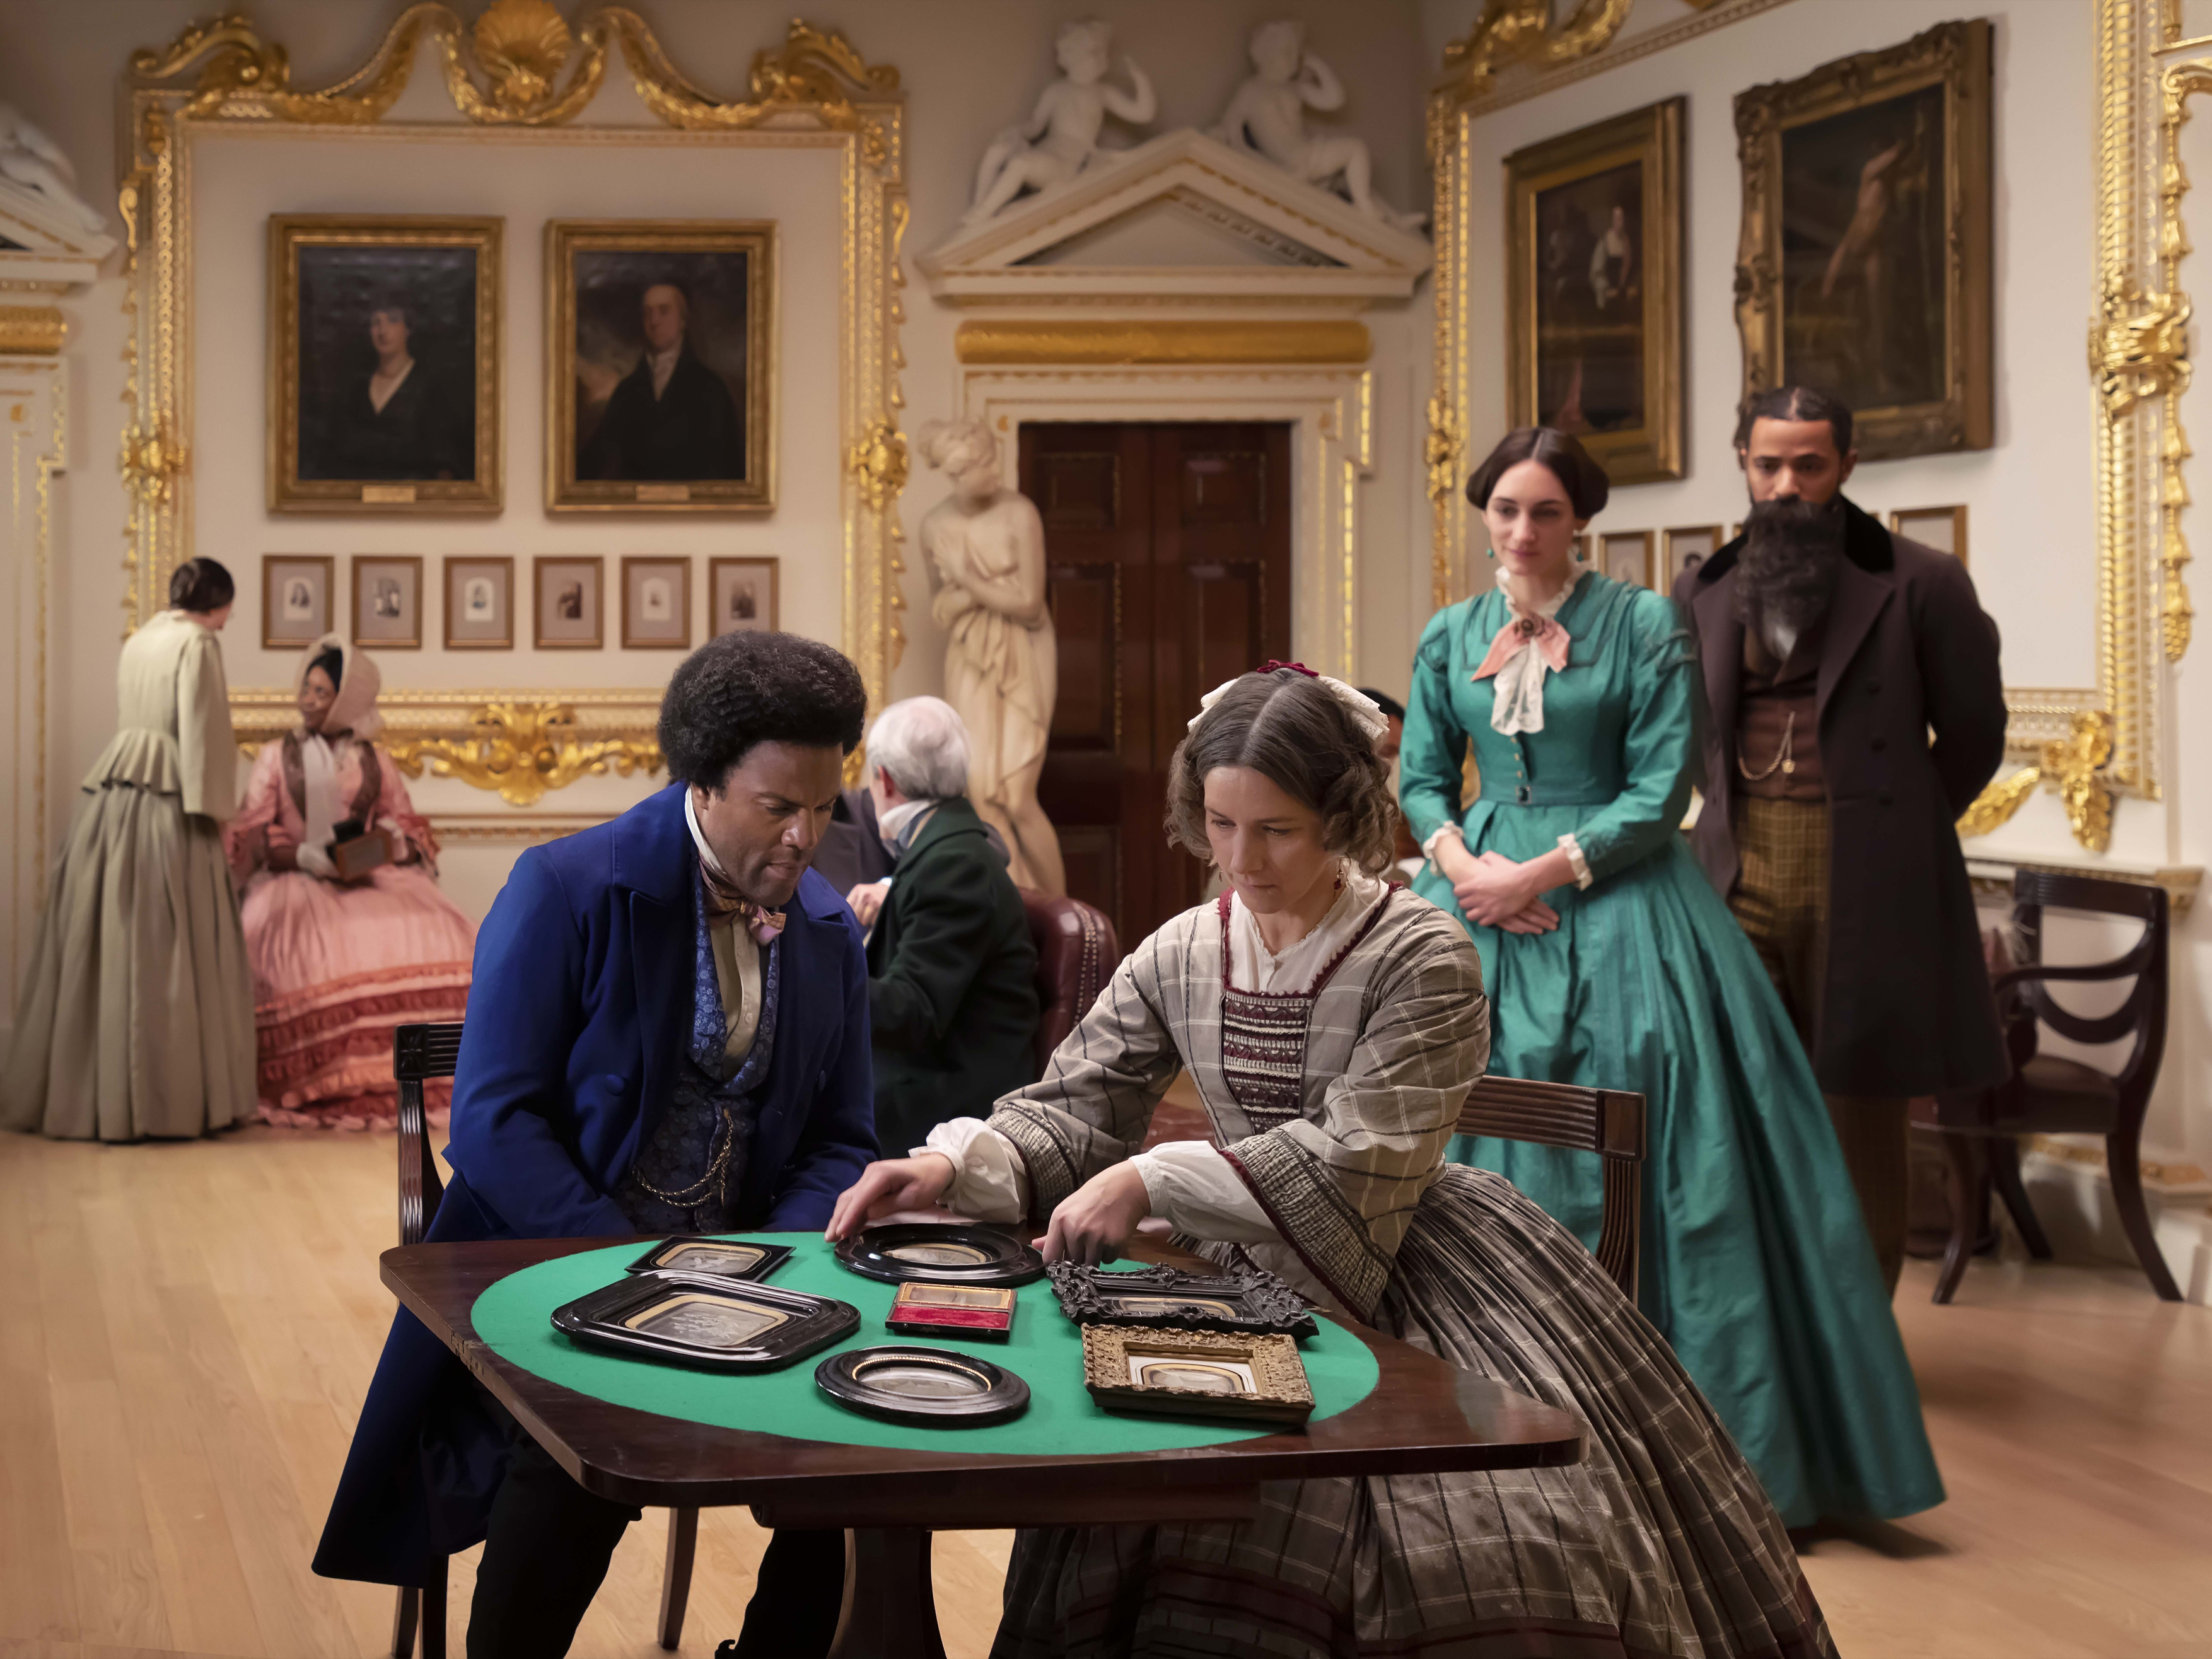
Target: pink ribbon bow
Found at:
x=724, y=900
x=1544, y=633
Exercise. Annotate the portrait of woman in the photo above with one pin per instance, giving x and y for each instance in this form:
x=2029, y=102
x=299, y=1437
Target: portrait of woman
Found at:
x=393, y=417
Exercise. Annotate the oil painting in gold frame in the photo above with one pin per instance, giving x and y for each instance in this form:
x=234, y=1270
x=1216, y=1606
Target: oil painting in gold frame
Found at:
x=661, y=353
x=384, y=364
x=1593, y=289
x=1865, y=266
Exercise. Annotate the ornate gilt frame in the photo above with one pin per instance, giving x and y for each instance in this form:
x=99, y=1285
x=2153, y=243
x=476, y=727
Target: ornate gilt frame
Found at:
x=1955, y=56
x=1652, y=138
x=521, y=67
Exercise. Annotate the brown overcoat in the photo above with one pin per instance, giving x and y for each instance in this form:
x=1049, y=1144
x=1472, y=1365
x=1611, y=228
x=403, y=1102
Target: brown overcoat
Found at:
x=1905, y=1004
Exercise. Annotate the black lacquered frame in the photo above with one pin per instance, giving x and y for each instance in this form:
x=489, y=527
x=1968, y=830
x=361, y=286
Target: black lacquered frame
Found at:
x=843, y=1377
x=1008, y=1261
x=1261, y=1304
x=813, y=1321
x=657, y=1260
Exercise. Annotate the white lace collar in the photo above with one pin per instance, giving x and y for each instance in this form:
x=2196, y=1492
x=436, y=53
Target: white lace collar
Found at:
x=1252, y=967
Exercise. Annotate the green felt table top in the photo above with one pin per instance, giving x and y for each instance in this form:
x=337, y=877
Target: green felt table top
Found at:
x=513, y=1317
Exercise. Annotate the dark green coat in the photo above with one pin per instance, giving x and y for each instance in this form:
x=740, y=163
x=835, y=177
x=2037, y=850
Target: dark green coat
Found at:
x=952, y=1000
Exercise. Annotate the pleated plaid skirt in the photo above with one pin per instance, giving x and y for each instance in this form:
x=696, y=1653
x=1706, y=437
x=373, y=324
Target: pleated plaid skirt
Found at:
x=1659, y=1542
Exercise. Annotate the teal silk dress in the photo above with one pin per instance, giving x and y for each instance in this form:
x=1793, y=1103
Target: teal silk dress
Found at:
x=1753, y=1260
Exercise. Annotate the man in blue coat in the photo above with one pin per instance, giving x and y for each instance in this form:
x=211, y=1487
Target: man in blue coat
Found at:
x=667, y=1033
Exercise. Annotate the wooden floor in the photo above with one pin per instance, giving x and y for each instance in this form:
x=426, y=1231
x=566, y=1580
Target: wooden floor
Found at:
x=188, y=1330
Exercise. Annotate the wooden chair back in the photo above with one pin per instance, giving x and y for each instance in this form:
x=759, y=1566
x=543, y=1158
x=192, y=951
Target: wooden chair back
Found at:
x=2024, y=993
x=1606, y=1122
x=418, y=1054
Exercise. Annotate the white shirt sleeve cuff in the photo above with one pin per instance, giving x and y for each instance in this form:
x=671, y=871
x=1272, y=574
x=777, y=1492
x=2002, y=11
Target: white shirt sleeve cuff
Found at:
x=1429, y=847
x=1573, y=849
x=1193, y=1188
x=989, y=1180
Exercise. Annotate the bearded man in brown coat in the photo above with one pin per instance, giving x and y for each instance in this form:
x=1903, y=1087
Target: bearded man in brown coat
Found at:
x=1831, y=648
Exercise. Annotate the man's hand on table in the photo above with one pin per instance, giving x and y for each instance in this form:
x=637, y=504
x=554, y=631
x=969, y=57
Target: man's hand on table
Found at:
x=886, y=1186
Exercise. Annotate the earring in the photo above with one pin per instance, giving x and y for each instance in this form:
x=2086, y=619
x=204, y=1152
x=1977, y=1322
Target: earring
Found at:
x=1490, y=553
x=1582, y=552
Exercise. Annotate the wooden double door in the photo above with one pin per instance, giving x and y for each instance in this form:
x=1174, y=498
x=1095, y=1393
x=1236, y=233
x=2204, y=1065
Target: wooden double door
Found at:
x=1167, y=557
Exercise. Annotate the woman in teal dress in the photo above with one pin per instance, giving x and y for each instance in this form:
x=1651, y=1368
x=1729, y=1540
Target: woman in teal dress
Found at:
x=1610, y=963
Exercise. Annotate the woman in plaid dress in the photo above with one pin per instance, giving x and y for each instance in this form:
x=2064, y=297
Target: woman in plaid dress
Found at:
x=1611, y=962
x=1332, y=1025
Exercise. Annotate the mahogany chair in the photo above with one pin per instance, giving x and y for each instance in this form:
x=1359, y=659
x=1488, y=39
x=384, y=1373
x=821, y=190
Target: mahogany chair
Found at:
x=2048, y=1094
x=1076, y=954
x=420, y=1053
x=1606, y=1122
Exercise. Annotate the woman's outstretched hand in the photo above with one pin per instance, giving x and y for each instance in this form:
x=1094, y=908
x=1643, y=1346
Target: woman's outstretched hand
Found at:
x=887, y=1187
x=1094, y=1222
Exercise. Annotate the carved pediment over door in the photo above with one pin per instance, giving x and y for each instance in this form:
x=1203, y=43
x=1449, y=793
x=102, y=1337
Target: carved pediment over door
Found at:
x=1182, y=218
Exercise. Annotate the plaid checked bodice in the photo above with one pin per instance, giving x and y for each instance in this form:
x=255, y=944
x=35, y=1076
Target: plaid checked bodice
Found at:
x=1263, y=1036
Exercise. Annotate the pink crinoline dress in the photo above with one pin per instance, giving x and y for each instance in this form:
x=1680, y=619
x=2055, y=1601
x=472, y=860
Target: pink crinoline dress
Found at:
x=338, y=969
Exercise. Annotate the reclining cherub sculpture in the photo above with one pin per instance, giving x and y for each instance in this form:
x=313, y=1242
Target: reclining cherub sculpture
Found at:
x=1268, y=114
x=1061, y=137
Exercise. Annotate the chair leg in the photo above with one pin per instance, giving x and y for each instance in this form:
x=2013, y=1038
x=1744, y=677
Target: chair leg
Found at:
x=1970, y=1204
x=2005, y=1171
x=676, y=1577
x=405, y=1616
x=2124, y=1163
x=433, y=1616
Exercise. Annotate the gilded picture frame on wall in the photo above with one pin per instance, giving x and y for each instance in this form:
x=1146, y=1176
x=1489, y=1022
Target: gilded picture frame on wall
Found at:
x=1593, y=289
x=298, y=598
x=660, y=366
x=384, y=364
x=1864, y=265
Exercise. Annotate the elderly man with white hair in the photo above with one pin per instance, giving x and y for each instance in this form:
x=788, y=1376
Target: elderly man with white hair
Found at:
x=952, y=1000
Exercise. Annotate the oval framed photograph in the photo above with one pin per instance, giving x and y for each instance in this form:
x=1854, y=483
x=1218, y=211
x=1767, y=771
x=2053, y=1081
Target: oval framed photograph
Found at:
x=908, y=1384
x=938, y=1253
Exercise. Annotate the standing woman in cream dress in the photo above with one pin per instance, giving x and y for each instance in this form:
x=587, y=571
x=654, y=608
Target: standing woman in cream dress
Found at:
x=136, y=1016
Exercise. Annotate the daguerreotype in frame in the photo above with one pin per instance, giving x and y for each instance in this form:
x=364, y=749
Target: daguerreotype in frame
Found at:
x=384, y=364
x=1593, y=289
x=658, y=346
x=1865, y=266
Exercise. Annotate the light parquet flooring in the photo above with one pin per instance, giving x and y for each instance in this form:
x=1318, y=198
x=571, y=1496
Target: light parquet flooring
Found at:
x=188, y=1330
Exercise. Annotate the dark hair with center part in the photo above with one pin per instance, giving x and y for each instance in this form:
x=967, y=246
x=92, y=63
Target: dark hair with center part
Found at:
x=201, y=586
x=331, y=661
x=744, y=690
x=1559, y=454
x=1289, y=728
x=1797, y=402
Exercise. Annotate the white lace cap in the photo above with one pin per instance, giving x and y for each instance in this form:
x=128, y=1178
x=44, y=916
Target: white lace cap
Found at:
x=1365, y=713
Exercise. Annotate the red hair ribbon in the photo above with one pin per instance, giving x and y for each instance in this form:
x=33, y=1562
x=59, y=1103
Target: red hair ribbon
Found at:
x=1271, y=665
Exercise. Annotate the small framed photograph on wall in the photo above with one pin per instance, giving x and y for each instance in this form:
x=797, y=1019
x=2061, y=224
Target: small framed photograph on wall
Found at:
x=1625, y=555
x=742, y=596
x=387, y=600
x=1943, y=528
x=296, y=597
x=1683, y=550
x=656, y=613
x=480, y=604
x=567, y=604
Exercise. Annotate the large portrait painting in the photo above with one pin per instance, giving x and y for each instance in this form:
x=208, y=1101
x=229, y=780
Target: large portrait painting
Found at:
x=1865, y=267
x=658, y=347
x=384, y=364
x=1594, y=290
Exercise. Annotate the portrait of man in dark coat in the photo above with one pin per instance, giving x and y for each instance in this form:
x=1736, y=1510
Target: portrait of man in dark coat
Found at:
x=1855, y=709
x=671, y=417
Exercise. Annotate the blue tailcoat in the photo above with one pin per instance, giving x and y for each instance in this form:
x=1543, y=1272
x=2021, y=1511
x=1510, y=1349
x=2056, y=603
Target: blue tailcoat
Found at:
x=580, y=1009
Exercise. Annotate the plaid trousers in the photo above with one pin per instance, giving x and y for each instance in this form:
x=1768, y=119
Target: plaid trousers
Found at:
x=1781, y=899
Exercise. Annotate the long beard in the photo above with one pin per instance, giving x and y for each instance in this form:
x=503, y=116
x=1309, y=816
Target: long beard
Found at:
x=1793, y=552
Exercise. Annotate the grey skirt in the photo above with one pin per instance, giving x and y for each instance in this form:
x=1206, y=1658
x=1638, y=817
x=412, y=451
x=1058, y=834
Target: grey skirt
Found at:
x=1659, y=1542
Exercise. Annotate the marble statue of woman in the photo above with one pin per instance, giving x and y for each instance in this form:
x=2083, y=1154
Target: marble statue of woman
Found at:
x=1268, y=114
x=1061, y=134
x=33, y=160
x=985, y=544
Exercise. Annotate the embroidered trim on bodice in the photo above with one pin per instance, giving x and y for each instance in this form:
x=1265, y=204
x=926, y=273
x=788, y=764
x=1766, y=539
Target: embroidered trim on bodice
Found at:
x=1263, y=1033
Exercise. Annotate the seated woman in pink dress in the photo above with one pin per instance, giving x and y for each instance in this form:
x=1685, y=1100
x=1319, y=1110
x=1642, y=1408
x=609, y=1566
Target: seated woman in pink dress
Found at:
x=339, y=964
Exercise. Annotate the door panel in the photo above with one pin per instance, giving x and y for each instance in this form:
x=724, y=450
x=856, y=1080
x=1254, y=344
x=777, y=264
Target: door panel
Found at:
x=1167, y=550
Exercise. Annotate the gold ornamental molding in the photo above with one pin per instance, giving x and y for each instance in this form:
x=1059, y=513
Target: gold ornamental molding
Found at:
x=2074, y=766
x=522, y=68
x=1110, y=343
x=520, y=744
x=32, y=331
x=1522, y=32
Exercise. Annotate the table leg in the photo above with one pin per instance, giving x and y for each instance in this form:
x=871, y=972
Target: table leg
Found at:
x=890, y=1610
